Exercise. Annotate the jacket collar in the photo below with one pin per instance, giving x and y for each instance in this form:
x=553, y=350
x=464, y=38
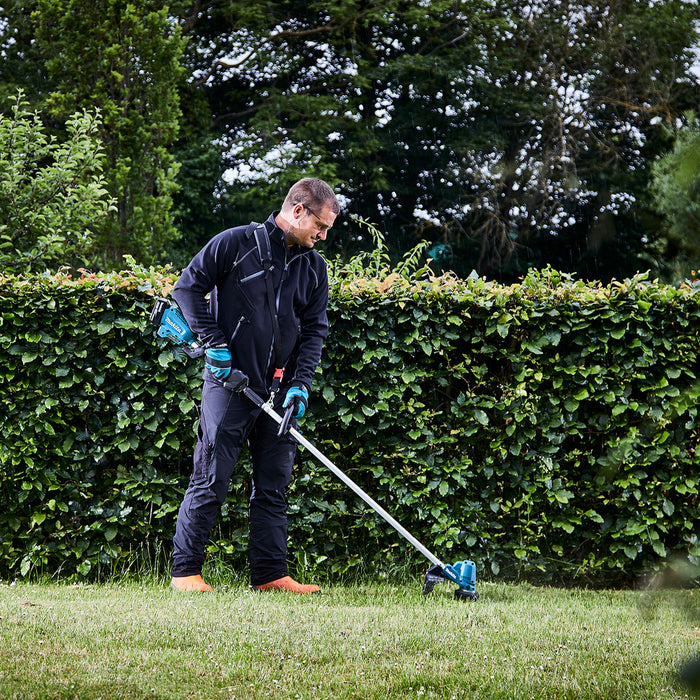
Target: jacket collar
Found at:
x=277, y=236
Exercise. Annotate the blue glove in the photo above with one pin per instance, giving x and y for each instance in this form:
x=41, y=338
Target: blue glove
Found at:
x=218, y=362
x=299, y=396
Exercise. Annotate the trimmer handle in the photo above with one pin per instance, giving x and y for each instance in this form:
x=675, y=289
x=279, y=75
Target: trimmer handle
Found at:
x=237, y=381
x=284, y=425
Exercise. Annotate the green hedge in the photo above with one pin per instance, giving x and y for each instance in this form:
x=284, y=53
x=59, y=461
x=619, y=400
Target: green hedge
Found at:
x=546, y=430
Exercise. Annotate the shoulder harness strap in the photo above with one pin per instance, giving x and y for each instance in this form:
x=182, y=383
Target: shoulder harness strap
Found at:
x=262, y=241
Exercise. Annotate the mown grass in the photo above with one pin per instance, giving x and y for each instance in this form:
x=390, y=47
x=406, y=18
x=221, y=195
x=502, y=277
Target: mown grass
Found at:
x=129, y=640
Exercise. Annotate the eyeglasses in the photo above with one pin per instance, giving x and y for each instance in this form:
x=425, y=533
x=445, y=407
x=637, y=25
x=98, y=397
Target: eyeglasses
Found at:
x=321, y=224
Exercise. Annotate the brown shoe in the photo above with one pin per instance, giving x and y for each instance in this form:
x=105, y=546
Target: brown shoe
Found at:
x=287, y=583
x=189, y=583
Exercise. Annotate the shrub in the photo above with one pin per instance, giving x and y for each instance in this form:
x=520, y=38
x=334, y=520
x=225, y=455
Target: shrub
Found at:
x=52, y=193
x=547, y=429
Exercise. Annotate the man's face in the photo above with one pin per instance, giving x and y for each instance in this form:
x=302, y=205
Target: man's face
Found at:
x=309, y=226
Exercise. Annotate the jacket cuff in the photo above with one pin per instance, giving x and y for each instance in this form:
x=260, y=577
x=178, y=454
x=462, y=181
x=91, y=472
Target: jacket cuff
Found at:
x=300, y=385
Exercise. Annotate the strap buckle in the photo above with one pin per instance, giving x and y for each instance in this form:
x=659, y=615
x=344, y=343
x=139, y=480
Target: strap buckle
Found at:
x=276, y=382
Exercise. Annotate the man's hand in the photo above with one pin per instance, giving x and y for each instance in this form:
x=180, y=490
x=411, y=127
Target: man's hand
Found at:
x=299, y=397
x=218, y=362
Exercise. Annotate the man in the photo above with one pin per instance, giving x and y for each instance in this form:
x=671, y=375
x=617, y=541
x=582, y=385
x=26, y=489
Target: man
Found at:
x=263, y=315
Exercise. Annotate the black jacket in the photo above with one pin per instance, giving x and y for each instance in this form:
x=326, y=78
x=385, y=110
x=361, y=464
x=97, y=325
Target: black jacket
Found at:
x=238, y=313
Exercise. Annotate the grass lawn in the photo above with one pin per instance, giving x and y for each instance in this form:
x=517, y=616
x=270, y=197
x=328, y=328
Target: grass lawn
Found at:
x=131, y=640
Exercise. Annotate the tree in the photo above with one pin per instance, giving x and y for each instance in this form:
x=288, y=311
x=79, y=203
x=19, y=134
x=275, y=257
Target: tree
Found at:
x=676, y=189
x=301, y=88
x=564, y=110
x=52, y=194
x=509, y=135
x=21, y=63
x=514, y=134
x=123, y=57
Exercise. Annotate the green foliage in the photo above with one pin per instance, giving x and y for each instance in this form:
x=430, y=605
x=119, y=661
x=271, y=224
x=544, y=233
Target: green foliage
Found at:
x=88, y=427
x=123, y=57
x=545, y=427
x=676, y=188
x=513, y=135
x=376, y=263
x=518, y=135
x=52, y=193
x=548, y=430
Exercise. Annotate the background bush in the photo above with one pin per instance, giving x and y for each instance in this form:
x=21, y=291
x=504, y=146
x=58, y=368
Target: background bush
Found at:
x=52, y=193
x=546, y=429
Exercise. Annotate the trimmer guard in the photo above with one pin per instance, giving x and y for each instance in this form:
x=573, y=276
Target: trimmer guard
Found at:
x=463, y=573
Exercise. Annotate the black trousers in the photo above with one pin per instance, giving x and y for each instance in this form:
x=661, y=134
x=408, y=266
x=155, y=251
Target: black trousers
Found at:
x=227, y=421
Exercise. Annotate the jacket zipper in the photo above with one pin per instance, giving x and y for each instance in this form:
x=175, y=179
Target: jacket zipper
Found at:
x=241, y=321
x=252, y=277
x=287, y=263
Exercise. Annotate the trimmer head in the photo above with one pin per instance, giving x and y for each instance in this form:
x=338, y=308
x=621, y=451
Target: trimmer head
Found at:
x=463, y=573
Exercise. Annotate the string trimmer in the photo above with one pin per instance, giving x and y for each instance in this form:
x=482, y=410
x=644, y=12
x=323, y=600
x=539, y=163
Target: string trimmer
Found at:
x=463, y=573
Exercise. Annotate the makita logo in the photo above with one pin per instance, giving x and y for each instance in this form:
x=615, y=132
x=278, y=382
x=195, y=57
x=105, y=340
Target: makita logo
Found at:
x=177, y=327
